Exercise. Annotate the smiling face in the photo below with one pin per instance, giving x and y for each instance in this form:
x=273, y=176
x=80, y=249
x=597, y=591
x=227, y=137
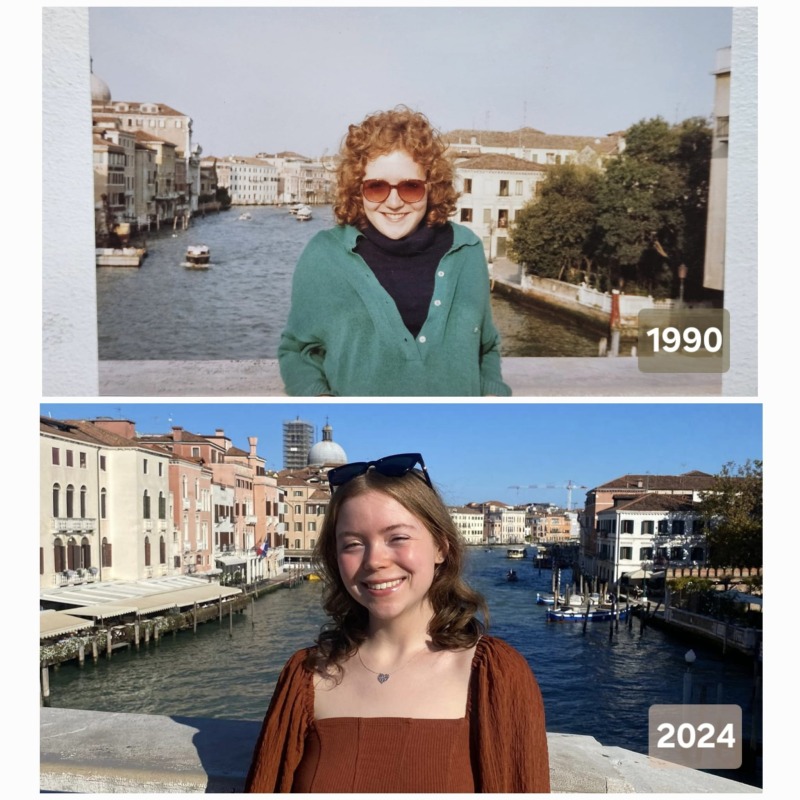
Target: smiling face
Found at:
x=394, y=217
x=386, y=557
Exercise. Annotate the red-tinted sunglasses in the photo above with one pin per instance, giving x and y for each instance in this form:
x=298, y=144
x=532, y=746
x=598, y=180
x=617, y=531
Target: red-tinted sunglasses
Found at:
x=376, y=191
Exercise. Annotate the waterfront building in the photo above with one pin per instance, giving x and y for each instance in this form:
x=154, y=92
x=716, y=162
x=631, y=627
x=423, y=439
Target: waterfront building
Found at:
x=301, y=179
x=688, y=486
x=502, y=523
x=104, y=498
x=714, y=266
x=493, y=188
x=469, y=522
x=249, y=181
x=306, y=495
x=646, y=533
x=552, y=526
x=298, y=436
x=529, y=144
x=167, y=125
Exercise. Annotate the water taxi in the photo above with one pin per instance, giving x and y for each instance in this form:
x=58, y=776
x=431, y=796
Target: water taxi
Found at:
x=198, y=256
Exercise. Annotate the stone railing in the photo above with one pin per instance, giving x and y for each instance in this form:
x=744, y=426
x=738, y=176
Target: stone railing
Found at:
x=104, y=752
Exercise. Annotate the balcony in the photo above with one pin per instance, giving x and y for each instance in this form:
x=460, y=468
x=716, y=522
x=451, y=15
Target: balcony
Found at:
x=73, y=525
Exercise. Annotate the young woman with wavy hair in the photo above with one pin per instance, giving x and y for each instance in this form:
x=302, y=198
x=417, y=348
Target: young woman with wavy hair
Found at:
x=395, y=299
x=404, y=690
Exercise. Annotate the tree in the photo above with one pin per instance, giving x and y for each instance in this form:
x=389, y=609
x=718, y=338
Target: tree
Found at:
x=652, y=205
x=553, y=235
x=733, y=514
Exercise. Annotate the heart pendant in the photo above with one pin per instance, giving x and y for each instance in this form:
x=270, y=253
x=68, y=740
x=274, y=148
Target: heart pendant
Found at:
x=383, y=677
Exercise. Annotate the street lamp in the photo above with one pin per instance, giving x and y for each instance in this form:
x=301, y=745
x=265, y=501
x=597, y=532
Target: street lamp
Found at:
x=690, y=658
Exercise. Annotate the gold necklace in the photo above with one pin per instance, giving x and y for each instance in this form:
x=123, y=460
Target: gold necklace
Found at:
x=384, y=676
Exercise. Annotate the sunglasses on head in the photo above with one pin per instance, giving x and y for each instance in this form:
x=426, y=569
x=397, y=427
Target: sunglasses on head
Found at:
x=390, y=466
x=376, y=191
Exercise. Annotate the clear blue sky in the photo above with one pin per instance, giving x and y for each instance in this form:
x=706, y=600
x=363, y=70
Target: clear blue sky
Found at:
x=480, y=451
x=271, y=79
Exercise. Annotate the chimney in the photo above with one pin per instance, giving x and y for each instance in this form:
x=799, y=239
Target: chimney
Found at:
x=253, y=440
x=177, y=433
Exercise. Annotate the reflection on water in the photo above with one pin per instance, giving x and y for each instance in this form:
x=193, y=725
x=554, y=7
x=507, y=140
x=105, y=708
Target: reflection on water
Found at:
x=238, y=308
x=592, y=684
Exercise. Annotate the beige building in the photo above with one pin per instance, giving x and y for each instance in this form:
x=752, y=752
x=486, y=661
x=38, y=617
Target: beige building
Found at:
x=249, y=181
x=469, y=522
x=306, y=496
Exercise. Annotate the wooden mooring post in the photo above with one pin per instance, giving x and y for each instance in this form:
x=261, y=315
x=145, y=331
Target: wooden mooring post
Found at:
x=45, y=687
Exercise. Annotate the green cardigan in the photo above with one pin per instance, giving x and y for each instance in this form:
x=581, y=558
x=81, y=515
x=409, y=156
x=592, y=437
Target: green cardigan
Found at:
x=346, y=337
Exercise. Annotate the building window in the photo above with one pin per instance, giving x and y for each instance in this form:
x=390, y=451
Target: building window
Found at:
x=677, y=554
x=69, y=458
x=645, y=553
x=663, y=526
x=147, y=551
x=144, y=465
x=298, y=509
x=627, y=526
x=502, y=218
x=466, y=215
x=647, y=527
x=70, y=501
x=518, y=188
x=146, y=505
x=55, y=456
x=59, y=556
x=312, y=526
x=697, y=554
x=56, y=499
x=82, y=459
x=162, y=506
x=102, y=504
x=162, y=551
x=625, y=553
x=467, y=185
x=678, y=527
x=102, y=463
x=503, y=189
x=160, y=470
x=83, y=502
x=298, y=527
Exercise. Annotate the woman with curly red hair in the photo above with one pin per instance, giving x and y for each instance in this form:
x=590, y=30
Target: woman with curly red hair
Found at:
x=394, y=300
x=404, y=690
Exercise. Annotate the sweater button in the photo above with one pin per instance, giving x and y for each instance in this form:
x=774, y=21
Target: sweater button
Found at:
x=422, y=340
x=437, y=302
x=441, y=273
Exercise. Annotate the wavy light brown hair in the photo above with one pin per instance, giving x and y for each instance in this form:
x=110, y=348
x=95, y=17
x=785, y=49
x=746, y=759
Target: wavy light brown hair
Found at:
x=383, y=133
x=460, y=614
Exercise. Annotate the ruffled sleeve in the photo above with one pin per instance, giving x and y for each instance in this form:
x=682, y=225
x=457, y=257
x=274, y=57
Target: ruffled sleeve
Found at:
x=508, y=738
x=280, y=744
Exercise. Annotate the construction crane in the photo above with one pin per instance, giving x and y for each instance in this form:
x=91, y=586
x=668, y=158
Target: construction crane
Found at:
x=569, y=486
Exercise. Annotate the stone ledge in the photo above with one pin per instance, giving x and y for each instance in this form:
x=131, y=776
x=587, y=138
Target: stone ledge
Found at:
x=528, y=377
x=96, y=752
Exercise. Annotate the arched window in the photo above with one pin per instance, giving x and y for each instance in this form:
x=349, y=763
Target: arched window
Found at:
x=147, y=551
x=73, y=554
x=86, y=554
x=106, y=553
x=83, y=502
x=146, y=505
x=162, y=551
x=59, y=556
x=56, y=501
x=102, y=504
x=70, y=502
x=162, y=506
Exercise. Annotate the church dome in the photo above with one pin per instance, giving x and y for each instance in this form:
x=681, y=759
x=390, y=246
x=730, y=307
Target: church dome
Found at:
x=327, y=452
x=100, y=91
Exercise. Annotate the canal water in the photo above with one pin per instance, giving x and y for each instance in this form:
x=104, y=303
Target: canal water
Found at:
x=238, y=308
x=596, y=684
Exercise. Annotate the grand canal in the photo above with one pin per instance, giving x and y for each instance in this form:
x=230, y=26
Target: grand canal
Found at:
x=238, y=308
x=597, y=684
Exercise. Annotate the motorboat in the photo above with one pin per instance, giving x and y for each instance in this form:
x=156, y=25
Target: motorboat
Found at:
x=547, y=599
x=512, y=576
x=119, y=256
x=198, y=256
x=303, y=213
x=246, y=215
x=602, y=613
x=516, y=552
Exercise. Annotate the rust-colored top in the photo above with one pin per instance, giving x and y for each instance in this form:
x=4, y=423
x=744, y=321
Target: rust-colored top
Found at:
x=507, y=741
x=369, y=754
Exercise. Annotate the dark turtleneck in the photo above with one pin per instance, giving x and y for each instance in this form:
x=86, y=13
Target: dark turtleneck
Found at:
x=406, y=268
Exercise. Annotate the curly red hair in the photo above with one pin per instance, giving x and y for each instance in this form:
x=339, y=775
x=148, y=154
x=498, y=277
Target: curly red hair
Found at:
x=382, y=133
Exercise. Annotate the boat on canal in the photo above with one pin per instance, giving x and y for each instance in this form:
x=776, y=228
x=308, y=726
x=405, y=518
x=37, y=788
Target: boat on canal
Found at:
x=303, y=213
x=120, y=256
x=511, y=576
x=602, y=613
x=516, y=552
x=198, y=256
x=547, y=599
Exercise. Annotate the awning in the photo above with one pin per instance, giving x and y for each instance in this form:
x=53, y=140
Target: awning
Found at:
x=57, y=623
x=230, y=561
